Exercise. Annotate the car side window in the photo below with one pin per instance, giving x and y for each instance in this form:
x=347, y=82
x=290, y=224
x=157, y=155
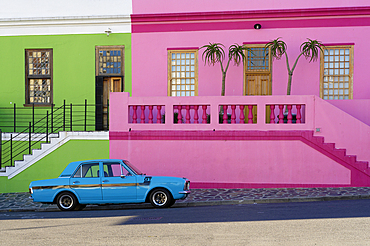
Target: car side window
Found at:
x=125, y=172
x=90, y=170
x=112, y=169
x=115, y=170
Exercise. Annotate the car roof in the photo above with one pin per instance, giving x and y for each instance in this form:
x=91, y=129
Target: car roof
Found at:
x=71, y=167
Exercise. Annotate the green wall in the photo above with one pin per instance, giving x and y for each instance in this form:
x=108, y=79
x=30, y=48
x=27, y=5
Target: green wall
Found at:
x=73, y=65
x=53, y=164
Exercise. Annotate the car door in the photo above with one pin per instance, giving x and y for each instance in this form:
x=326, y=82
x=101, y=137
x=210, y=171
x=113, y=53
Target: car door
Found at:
x=86, y=183
x=118, y=183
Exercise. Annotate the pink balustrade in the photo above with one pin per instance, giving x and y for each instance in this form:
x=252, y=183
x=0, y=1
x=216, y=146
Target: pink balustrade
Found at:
x=285, y=114
x=191, y=114
x=212, y=113
x=237, y=114
x=146, y=114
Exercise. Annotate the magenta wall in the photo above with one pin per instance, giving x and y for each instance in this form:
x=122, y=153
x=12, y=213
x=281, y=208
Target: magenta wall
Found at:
x=263, y=163
x=152, y=35
x=163, y=6
x=329, y=148
x=149, y=61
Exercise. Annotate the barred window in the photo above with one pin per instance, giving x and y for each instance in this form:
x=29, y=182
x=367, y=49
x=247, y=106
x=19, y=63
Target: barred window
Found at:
x=336, y=73
x=39, y=76
x=183, y=72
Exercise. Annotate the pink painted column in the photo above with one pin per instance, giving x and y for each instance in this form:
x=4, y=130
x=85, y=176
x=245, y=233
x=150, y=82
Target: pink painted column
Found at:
x=250, y=114
x=150, y=114
x=187, y=117
x=290, y=117
x=272, y=114
x=241, y=117
x=134, y=116
x=233, y=115
x=196, y=117
x=225, y=114
x=142, y=114
x=299, y=116
x=159, y=116
x=281, y=114
x=204, y=116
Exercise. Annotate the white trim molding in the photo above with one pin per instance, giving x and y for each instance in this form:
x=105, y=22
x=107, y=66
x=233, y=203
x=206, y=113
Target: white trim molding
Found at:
x=65, y=25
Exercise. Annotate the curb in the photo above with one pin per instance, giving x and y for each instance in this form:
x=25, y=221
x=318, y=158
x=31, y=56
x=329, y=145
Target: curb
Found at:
x=198, y=204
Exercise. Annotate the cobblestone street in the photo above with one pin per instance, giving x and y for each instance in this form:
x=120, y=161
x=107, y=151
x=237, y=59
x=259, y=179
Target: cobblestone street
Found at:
x=201, y=197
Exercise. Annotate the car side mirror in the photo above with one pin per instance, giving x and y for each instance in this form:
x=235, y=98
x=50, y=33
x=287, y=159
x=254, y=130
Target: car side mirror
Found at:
x=123, y=176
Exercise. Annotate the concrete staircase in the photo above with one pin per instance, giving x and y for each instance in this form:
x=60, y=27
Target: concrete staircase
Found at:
x=46, y=148
x=338, y=155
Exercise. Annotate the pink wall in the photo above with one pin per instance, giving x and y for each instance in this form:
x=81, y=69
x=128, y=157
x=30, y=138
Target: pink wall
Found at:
x=357, y=108
x=261, y=154
x=342, y=129
x=163, y=6
x=252, y=162
x=275, y=155
x=149, y=58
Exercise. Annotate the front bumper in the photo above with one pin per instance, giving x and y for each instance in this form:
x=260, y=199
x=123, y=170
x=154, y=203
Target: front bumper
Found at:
x=185, y=192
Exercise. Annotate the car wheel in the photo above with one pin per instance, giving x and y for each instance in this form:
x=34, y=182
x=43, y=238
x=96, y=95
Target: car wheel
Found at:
x=66, y=201
x=160, y=198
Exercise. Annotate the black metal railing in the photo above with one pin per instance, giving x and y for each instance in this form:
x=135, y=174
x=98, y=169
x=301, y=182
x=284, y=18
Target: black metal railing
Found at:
x=24, y=129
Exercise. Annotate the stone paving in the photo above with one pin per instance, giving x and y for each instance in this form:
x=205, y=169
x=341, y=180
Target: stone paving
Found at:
x=201, y=197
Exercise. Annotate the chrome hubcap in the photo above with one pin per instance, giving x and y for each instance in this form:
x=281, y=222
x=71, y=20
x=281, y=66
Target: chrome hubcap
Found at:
x=159, y=198
x=66, y=201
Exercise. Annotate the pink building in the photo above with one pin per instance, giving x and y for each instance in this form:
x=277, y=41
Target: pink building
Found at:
x=170, y=125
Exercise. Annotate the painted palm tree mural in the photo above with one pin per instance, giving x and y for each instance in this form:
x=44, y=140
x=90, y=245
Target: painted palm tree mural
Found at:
x=310, y=50
x=215, y=53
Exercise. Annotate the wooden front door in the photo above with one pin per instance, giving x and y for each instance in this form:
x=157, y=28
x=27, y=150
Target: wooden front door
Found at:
x=109, y=77
x=110, y=84
x=257, y=76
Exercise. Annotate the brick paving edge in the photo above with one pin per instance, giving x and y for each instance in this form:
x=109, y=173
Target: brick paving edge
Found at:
x=200, y=203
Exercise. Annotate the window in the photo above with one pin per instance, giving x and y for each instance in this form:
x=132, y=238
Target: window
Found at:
x=336, y=72
x=109, y=60
x=114, y=170
x=182, y=73
x=88, y=171
x=257, y=71
x=39, y=76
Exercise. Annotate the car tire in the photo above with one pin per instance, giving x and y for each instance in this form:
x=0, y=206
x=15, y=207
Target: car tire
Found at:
x=160, y=198
x=66, y=201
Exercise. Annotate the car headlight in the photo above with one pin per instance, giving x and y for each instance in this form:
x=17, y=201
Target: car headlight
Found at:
x=30, y=190
x=187, y=185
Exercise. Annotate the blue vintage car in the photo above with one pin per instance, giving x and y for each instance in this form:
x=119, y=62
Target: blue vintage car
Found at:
x=107, y=181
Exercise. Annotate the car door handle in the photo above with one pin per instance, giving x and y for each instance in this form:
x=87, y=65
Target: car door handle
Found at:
x=105, y=180
x=76, y=182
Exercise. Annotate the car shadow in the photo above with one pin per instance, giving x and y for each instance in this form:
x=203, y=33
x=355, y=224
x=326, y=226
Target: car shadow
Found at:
x=217, y=213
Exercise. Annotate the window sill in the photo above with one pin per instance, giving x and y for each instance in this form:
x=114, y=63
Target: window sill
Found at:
x=46, y=105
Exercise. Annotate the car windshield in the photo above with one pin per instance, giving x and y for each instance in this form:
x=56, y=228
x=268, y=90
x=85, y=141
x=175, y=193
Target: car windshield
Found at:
x=132, y=167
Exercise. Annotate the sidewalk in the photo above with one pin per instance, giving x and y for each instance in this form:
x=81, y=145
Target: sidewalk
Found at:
x=207, y=197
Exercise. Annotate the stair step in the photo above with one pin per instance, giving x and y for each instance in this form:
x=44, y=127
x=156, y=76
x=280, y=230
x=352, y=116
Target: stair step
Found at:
x=350, y=159
x=363, y=165
x=319, y=140
x=340, y=152
x=328, y=146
